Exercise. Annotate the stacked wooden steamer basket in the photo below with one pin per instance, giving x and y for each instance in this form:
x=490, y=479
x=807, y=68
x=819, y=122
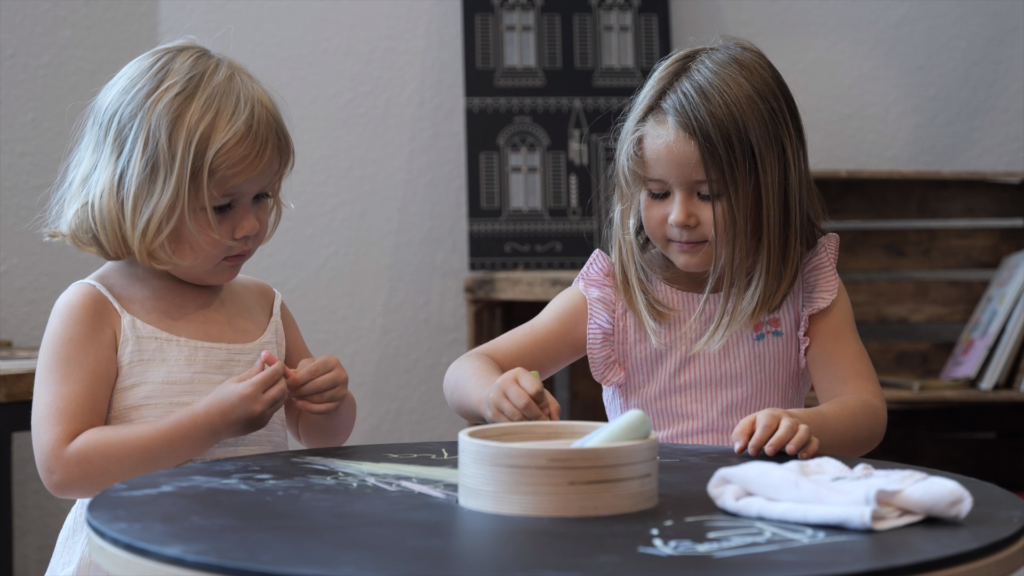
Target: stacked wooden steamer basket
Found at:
x=529, y=469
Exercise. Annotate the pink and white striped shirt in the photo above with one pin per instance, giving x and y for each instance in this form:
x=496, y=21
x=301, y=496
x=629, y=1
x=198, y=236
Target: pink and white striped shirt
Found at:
x=699, y=398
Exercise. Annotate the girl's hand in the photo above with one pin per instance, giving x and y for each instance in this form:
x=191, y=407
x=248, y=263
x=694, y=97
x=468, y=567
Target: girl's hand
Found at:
x=318, y=385
x=519, y=396
x=244, y=404
x=774, y=430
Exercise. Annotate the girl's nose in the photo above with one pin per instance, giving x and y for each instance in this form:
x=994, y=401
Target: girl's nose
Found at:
x=249, y=225
x=681, y=215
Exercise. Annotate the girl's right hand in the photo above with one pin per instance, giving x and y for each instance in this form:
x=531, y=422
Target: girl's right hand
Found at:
x=245, y=403
x=519, y=396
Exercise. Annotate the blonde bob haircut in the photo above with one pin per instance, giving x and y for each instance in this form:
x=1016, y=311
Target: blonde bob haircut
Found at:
x=734, y=105
x=149, y=146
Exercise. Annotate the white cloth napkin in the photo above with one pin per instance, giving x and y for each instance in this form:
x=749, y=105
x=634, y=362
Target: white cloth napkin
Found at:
x=825, y=491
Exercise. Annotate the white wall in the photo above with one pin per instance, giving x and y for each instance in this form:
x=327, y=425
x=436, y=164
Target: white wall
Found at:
x=907, y=84
x=371, y=260
x=54, y=56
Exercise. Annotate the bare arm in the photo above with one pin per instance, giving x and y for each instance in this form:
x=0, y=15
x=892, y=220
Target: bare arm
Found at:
x=321, y=410
x=851, y=417
x=491, y=383
x=77, y=454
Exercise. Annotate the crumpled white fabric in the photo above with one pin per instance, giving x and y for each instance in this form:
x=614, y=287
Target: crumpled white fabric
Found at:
x=824, y=491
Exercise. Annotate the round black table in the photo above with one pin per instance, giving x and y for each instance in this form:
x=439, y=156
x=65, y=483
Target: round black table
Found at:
x=327, y=511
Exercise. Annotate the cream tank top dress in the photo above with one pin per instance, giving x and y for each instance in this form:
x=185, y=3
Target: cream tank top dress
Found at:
x=157, y=374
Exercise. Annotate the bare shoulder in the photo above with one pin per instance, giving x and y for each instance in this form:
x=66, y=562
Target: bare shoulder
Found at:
x=254, y=291
x=83, y=323
x=84, y=305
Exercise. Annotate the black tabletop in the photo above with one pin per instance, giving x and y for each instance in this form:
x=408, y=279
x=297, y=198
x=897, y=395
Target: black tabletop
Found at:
x=317, y=512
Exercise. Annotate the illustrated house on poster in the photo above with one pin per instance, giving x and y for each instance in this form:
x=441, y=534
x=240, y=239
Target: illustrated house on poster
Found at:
x=545, y=83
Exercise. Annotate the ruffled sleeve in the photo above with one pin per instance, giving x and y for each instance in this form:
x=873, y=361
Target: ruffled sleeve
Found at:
x=820, y=284
x=597, y=282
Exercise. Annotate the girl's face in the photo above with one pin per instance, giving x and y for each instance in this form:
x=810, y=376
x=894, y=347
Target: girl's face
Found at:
x=676, y=206
x=242, y=212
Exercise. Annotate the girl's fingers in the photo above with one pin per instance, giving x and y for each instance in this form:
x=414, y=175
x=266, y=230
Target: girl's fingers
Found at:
x=785, y=432
x=266, y=379
x=278, y=395
x=742, y=432
x=270, y=359
x=526, y=405
x=326, y=397
x=764, y=430
x=316, y=408
x=810, y=449
x=802, y=437
x=556, y=408
x=315, y=370
x=534, y=387
x=312, y=388
x=511, y=411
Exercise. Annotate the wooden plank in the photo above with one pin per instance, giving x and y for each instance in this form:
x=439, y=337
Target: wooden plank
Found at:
x=911, y=332
x=1009, y=176
x=909, y=359
x=16, y=387
x=926, y=249
x=519, y=286
x=17, y=374
x=899, y=199
x=924, y=224
x=910, y=301
x=899, y=399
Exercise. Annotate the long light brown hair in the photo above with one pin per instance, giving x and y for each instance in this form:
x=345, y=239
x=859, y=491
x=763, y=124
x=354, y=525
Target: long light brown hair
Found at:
x=151, y=143
x=733, y=104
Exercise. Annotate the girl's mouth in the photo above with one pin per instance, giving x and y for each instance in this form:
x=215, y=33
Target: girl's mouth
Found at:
x=237, y=258
x=687, y=246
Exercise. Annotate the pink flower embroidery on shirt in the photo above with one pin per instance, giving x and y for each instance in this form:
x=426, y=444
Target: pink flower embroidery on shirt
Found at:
x=771, y=326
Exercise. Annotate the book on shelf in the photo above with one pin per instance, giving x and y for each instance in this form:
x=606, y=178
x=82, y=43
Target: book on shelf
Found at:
x=918, y=384
x=983, y=329
x=1001, y=360
x=1019, y=379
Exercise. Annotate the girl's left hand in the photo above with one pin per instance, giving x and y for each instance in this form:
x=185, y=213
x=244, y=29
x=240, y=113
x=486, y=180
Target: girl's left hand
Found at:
x=317, y=385
x=774, y=430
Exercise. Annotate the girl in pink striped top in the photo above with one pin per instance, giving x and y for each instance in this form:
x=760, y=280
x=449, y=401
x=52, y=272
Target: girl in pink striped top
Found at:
x=719, y=305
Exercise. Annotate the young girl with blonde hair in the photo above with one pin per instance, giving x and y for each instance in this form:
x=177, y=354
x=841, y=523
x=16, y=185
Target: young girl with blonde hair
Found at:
x=720, y=304
x=166, y=355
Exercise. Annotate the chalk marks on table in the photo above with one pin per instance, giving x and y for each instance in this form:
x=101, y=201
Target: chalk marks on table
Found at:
x=443, y=456
x=246, y=482
x=732, y=536
x=430, y=480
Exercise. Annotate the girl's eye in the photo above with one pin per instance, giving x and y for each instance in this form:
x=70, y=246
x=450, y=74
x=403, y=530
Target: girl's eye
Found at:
x=222, y=209
x=263, y=196
x=657, y=195
x=704, y=196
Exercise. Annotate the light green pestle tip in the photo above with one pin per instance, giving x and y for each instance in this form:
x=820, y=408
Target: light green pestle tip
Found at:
x=631, y=425
x=535, y=374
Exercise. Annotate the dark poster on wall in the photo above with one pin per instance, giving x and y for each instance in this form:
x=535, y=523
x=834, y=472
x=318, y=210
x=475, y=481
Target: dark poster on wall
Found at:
x=546, y=80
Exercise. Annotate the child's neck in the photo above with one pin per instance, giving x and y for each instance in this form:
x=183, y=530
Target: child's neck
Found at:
x=167, y=285
x=694, y=282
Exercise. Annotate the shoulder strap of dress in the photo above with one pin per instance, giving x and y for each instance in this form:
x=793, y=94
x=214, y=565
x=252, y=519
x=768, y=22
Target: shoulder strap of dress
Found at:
x=105, y=292
x=277, y=304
